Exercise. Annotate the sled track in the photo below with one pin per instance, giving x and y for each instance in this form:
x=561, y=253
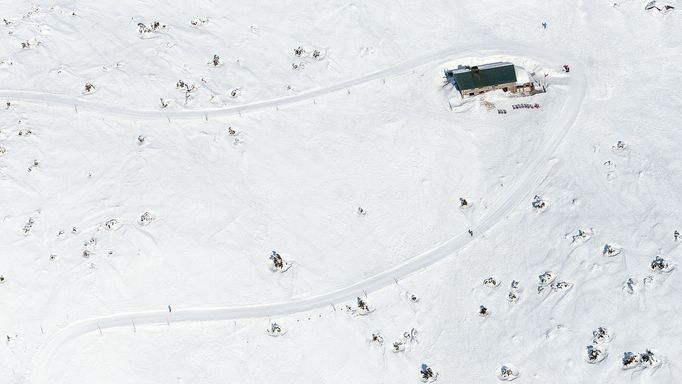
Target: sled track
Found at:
x=521, y=190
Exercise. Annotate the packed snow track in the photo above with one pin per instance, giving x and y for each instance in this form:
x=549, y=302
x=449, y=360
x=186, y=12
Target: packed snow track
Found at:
x=80, y=105
x=520, y=192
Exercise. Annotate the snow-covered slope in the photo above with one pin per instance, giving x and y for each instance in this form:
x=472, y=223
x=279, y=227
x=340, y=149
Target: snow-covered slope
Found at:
x=134, y=239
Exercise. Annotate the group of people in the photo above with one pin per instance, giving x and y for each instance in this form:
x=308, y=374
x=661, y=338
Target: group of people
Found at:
x=538, y=203
x=277, y=260
x=362, y=304
x=426, y=372
x=526, y=106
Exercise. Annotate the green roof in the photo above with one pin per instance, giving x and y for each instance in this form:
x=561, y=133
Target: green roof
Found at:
x=483, y=75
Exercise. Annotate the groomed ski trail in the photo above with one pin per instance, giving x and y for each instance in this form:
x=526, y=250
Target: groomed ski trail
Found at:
x=82, y=105
x=520, y=191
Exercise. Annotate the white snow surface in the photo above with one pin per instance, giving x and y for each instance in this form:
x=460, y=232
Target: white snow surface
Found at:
x=88, y=287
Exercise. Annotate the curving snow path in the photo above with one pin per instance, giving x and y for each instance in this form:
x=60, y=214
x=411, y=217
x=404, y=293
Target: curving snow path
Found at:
x=123, y=111
x=520, y=191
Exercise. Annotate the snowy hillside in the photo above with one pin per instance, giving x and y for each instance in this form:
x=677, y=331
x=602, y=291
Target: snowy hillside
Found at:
x=155, y=155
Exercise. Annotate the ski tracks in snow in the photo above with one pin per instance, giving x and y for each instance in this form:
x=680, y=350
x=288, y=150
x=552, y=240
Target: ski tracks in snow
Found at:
x=81, y=105
x=520, y=190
